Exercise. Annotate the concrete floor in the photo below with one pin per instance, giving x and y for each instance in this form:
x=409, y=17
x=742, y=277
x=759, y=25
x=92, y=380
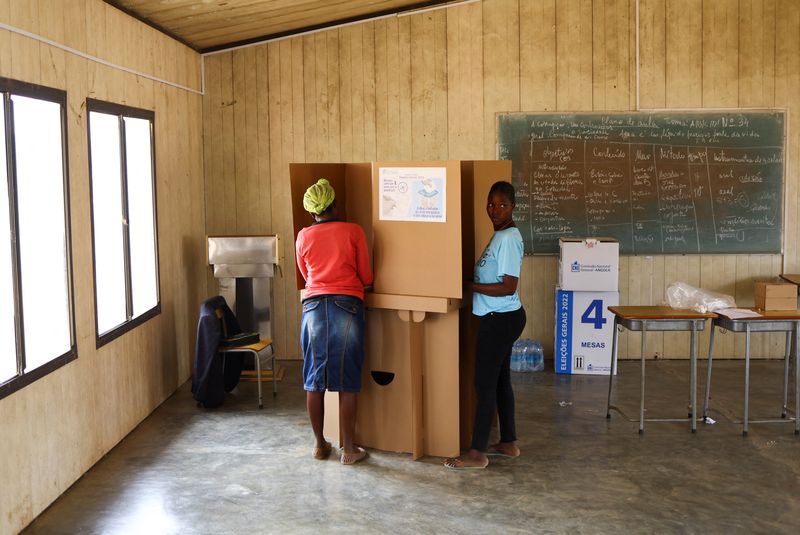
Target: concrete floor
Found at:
x=243, y=470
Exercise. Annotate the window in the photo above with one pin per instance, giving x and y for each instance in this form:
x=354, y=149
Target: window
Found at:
x=37, y=333
x=123, y=218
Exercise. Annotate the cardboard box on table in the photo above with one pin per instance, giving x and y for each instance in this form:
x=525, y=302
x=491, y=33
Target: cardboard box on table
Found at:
x=417, y=393
x=771, y=295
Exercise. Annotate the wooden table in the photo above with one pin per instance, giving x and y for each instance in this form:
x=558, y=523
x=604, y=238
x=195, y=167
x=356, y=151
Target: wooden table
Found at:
x=652, y=318
x=790, y=277
x=787, y=321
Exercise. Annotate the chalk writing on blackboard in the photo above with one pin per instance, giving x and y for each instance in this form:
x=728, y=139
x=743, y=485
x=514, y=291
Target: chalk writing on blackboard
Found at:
x=682, y=182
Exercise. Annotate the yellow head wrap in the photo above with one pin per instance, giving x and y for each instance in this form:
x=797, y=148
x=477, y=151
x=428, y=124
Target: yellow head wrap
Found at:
x=319, y=197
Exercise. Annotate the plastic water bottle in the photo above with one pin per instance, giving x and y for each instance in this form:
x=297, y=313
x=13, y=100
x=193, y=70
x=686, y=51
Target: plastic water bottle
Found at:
x=525, y=349
x=537, y=357
x=527, y=356
x=517, y=357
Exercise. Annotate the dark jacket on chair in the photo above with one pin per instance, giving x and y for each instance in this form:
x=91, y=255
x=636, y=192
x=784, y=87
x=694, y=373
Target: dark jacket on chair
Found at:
x=212, y=375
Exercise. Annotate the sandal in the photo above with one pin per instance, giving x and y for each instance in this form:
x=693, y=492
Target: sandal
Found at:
x=458, y=464
x=323, y=453
x=496, y=452
x=354, y=457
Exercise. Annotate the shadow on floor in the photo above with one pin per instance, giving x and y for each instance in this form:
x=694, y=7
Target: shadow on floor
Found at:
x=238, y=469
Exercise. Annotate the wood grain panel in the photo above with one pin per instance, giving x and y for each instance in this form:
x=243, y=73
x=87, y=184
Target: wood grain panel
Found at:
x=245, y=158
x=537, y=55
x=552, y=55
x=357, y=58
x=5, y=40
x=369, y=93
x=537, y=68
x=293, y=307
x=25, y=58
x=501, y=74
x=653, y=54
x=57, y=427
x=51, y=25
x=114, y=79
x=720, y=53
x=787, y=81
x=287, y=145
x=757, y=53
x=574, y=55
x=393, y=89
x=209, y=24
x=684, y=53
x=212, y=153
x=347, y=143
x=464, y=82
x=429, y=85
x=611, y=47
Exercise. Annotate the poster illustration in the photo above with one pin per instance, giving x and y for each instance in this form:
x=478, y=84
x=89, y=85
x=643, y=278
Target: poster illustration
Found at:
x=413, y=194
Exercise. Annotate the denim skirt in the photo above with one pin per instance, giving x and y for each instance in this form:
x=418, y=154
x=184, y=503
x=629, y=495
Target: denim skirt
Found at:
x=332, y=337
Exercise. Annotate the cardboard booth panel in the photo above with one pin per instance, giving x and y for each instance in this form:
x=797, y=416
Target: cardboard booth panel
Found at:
x=384, y=417
x=418, y=257
x=384, y=411
x=441, y=385
x=584, y=332
x=480, y=175
x=352, y=183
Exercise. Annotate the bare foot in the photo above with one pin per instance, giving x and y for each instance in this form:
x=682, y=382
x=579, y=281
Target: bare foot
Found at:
x=504, y=449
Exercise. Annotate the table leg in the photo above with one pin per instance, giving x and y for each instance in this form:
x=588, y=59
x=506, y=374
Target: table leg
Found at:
x=797, y=378
x=693, y=378
x=707, y=393
x=787, y=354
x=258, y=378
x=274, y=373
x=614, y=348
x=641, y=390
x=746, y=376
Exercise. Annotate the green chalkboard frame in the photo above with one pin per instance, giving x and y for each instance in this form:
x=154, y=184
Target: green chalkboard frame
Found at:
x=696, y=181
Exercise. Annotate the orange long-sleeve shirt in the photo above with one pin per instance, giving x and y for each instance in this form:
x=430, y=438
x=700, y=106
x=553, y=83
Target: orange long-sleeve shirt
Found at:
x=333, y=259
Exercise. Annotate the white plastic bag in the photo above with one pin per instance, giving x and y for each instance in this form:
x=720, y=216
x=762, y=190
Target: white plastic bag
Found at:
x=682, y=295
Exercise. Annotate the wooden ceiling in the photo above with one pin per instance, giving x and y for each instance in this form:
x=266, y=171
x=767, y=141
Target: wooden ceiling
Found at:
x=208, y=25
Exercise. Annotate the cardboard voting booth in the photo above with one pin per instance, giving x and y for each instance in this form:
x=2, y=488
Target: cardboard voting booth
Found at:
x=425, y=224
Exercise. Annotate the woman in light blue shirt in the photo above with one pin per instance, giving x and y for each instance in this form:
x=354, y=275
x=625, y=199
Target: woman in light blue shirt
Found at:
x=496, y=301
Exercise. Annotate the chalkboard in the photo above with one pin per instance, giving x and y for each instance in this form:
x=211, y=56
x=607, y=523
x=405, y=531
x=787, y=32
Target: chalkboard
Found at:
x=660, y=182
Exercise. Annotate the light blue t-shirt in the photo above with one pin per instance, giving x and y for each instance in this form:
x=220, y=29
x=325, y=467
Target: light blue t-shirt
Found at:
x=503, y=256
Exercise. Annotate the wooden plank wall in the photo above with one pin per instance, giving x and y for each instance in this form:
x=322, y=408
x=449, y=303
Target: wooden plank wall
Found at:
x=430, y=85
x=56, y=428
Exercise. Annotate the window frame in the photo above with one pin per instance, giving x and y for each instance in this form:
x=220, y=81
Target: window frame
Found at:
x=121, y=111
x=9, y=87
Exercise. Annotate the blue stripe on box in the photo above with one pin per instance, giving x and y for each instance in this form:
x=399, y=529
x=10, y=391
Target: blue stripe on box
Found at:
x=563, y=347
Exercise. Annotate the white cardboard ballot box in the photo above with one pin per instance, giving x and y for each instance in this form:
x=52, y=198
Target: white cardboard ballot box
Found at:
x=584, y=332
x=590, y=264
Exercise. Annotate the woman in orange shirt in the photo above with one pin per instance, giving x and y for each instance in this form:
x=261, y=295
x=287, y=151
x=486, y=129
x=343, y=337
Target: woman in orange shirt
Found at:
x=333, y=259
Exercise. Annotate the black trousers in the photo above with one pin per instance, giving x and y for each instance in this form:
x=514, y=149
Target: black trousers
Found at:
x=497, y=333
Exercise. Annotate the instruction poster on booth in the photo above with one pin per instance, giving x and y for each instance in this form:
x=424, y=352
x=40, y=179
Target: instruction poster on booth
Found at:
x=412, y=194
